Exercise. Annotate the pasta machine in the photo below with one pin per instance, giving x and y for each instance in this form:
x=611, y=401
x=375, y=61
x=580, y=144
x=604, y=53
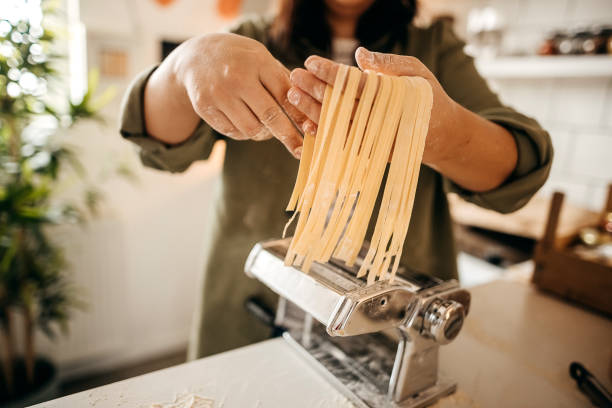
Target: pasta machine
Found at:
x=376, y=344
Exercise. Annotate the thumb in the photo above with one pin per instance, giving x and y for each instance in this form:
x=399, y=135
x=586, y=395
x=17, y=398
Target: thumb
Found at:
x=391, y=64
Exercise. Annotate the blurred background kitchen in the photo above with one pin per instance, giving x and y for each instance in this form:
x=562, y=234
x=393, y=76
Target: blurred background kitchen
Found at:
x=137, y=263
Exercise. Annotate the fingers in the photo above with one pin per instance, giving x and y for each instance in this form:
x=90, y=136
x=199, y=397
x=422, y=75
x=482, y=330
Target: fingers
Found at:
x=322, y=68
x=272, y=116
x=320, y=73
x=325, y=70
x=276, y=80
x=308, y=83
x=305, y=103
x=309, y=127
x=241, y=116
x=308, y=91
x=391, y=64
x=219, y=122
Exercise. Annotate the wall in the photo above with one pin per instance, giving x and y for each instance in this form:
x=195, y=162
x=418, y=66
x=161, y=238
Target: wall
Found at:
x=576, y=111
x=577, y=114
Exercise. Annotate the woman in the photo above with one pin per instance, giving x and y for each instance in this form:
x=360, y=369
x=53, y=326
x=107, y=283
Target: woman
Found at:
x=237, y=86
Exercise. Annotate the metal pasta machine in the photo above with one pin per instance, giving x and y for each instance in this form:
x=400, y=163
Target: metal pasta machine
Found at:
x=376, y=344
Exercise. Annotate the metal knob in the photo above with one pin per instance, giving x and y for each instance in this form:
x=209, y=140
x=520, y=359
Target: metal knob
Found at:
x=443, y=320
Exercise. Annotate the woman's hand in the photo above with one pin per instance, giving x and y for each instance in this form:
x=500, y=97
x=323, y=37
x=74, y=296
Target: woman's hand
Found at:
x=231, y=82
x=309, y=87
x=472, y=151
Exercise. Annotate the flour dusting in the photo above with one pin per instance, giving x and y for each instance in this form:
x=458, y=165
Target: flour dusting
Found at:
x=187, y=401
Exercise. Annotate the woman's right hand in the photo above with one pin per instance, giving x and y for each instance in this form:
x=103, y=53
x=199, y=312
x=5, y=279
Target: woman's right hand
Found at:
x=231, y=82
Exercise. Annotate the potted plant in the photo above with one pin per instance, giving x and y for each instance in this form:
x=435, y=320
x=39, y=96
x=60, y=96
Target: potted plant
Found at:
x=35, y=290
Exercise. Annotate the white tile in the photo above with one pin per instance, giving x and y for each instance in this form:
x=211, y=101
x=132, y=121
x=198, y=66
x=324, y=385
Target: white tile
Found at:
x=507, y=9
x=528, y=96
x=548, y=14
x=600, y=194
x=592, y=156
x=606, y=116
x=578, y=102
x=590, y=11
x=522, y=41
x=578, y=193
x=562, y=144
x=505, y=89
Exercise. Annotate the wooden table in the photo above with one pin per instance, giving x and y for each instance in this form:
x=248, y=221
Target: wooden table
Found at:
x=514, y=351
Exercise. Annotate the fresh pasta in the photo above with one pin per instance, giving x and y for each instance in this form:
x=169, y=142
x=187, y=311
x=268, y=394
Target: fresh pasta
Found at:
x=342, y=169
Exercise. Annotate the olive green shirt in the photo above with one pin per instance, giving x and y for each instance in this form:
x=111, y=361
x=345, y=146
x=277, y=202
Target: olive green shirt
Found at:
x=258, y=178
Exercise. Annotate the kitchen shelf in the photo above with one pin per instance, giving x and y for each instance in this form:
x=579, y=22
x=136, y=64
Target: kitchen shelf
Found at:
x=596, y=66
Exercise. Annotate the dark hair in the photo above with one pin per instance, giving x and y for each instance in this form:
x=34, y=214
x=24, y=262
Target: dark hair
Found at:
x=305, y=20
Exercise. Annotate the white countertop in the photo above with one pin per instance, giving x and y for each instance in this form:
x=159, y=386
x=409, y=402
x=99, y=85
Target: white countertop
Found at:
x=267, y=374
x=517, y=344
x=514, y=351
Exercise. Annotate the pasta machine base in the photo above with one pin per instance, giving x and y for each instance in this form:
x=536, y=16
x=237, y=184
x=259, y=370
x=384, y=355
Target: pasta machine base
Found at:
x=377, y=344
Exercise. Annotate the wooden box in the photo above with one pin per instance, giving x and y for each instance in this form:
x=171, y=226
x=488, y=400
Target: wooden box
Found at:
x=561, y=271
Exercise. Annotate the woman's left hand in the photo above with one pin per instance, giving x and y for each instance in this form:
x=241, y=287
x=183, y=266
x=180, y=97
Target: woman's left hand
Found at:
x=309, y=86
x=472, y=151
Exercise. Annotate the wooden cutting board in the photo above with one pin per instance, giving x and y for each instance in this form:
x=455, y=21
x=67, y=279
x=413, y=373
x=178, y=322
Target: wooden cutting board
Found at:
x=528, y=222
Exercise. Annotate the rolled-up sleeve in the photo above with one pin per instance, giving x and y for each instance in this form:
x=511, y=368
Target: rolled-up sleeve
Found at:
x=174, y=158
x=460, y=79
x=154, y=153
